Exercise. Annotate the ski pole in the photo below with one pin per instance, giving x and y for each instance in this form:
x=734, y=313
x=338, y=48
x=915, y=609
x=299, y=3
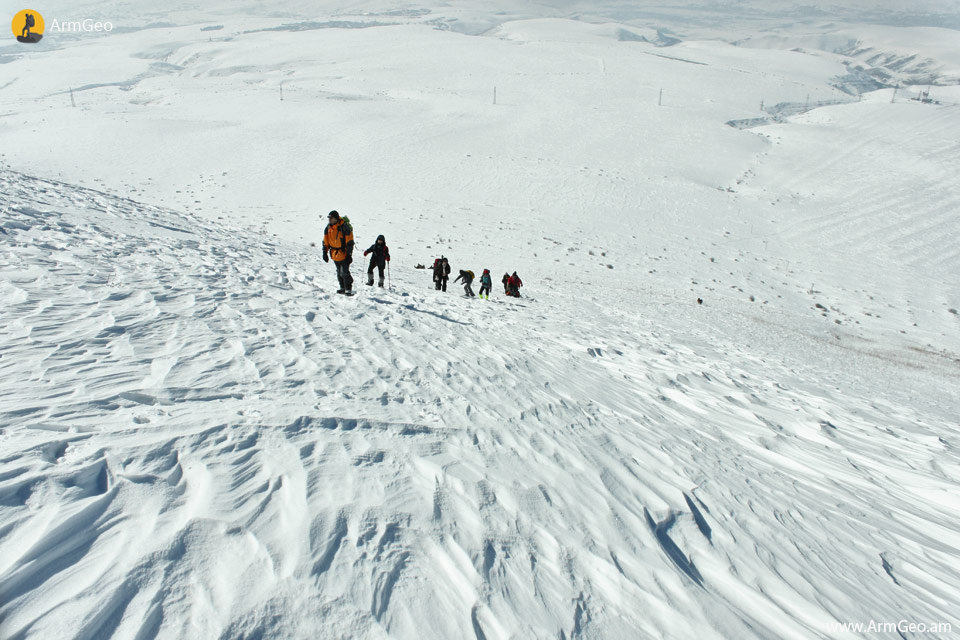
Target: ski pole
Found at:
x=389, y=282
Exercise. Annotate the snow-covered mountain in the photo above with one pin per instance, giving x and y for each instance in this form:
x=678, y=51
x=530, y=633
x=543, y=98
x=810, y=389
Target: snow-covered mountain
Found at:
x=199, y=438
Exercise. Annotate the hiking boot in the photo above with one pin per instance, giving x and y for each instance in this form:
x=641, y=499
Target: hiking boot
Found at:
x=379, y=284
x=339, y=290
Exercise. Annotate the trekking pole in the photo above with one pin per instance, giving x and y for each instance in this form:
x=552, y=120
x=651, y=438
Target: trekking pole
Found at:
x=389, y=282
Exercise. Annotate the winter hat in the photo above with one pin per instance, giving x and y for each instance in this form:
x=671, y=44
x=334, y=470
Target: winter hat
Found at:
x=380, y=237
x=486, y=270
x=334, y=214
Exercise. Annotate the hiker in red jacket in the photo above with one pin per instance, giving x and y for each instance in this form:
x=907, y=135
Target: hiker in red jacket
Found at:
x=513, y=285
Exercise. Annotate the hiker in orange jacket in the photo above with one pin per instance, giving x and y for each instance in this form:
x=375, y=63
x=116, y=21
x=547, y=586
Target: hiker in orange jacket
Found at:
x=338, y=244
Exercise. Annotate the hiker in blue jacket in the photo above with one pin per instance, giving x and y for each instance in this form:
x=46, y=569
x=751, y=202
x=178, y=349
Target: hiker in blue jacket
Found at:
x=485, y=283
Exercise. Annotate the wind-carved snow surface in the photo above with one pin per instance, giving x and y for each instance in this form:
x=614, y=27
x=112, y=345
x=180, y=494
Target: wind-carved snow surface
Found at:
x=202, y=439
x=199, y=438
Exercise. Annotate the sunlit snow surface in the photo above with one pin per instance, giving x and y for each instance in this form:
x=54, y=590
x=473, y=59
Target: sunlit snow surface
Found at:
x=200, y=439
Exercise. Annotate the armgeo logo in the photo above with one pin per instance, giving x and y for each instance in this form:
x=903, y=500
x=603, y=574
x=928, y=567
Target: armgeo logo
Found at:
x=28, y=26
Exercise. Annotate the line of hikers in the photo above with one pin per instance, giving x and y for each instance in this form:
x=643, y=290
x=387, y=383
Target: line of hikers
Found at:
x=338, y=244
x=441, y=273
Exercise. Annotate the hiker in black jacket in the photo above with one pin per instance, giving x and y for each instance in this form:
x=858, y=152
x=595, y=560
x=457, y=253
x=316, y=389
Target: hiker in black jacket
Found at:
x=379, y=259
x=441, y=273
x=467, y=278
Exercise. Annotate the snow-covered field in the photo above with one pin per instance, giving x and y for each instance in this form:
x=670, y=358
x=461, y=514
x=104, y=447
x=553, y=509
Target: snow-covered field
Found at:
x=200, y=439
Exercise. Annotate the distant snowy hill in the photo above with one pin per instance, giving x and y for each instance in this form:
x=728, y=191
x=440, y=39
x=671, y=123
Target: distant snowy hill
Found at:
x=916, y=13
x=725, y=406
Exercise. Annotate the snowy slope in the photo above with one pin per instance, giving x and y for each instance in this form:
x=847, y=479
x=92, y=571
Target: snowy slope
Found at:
x=198, y=438
x=202, y=440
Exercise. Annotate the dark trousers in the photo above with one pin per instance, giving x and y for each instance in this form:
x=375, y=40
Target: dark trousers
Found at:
x=378, y=265
x=442, y=283
x=485, y=288
x=343, y=275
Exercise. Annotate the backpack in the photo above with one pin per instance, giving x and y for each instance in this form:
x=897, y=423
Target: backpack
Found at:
x=470, y=273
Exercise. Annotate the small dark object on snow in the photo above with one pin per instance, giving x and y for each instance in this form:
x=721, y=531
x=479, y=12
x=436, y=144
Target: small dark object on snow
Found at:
x=699, y=300
x=420, y=266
